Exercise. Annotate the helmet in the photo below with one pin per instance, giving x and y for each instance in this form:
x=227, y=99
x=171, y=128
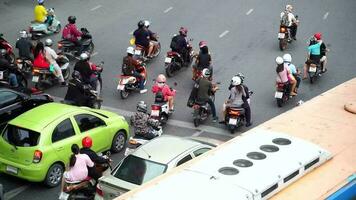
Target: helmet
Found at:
x=183, y=31
x=317, y=36
x=87, y=142
x=130, y=50
x=48, y=42
x=40, y=1
x=147, y=23
x=140, y=24
x=242, y=77
x=161, y=78
x=71, y=19
x=141, y=106
x=2, y=52
x=23, y=34
x=287, y=58
x=289, y=8
x=206, y=73
x=236, y=80
x=279, y=60
x=51, y=11
x=84, y=56
x=202, y=44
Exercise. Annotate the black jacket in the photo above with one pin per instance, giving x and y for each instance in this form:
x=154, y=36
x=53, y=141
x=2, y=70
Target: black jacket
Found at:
x=93, y=156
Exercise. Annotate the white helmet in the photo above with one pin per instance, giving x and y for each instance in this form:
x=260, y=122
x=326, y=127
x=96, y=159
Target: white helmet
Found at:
x=235, y=81
x=279, y=60
x=84, y=56
x=147, y=23
x=48, y=42
x=289, y=8
x=23, y=34
x=130, y=50
x=287, y=58
x=206, y=73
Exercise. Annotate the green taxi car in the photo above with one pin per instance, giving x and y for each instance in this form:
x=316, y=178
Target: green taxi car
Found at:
x=36, y=145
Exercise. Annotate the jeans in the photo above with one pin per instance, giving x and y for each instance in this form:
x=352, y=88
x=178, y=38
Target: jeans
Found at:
x=13, y=80
x=93, y=81
x=212, y=106
x=142, y=80
x=247, y=108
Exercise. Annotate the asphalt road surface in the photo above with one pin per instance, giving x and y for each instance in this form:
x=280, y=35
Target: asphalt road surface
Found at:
x=241, y=35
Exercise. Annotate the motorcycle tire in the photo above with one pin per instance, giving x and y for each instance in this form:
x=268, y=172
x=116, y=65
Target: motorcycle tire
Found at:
x=164, y=119
x=282, y=44
x=231, y=128
x=124, y=94
x=170, y=70
x=279, y=102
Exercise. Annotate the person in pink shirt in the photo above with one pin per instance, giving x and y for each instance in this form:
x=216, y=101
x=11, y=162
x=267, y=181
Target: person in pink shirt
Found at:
x=284, y=75
x=168, y=93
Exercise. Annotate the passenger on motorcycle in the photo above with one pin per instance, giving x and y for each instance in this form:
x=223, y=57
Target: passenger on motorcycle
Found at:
x=86, y=70
x=168, y=93
x=142, y=38
x=87, y=143
x=203, y=59
x=142, y=122
x=25, y=46
x=40, y=12
x=153, y=39
x=323, y=50
x=71, y=33
x=131, y=67
x=39, y=57
x=51, y=57
x=6, y=66
x=179, y=44
x=284, y=75
x=314, y=53
x=289, y=21
x=295, y=73
x=205, y=90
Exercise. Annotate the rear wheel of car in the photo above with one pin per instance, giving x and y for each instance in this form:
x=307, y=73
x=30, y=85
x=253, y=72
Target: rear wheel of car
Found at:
x=118, y=142
x=54, y=175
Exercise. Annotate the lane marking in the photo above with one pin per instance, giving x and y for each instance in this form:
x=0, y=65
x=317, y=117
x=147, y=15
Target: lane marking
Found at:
x=249, y=12
x=326, y=15
x=223, y=34
x=196, y=134
x=95, y=53
x=168, y=9
x=96, y=7
x=12, y=193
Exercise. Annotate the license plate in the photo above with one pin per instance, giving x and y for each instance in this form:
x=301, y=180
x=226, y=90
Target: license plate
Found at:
x=11, y=169
x=278, y=95
x=137, y=52
x=35, y=79
x=128, y=151
x=232, y=121
x=63, y=196
x=312, y=69
x=155, y=113
x=1, y=74
x=168, y=60
x=120, y=87
x=19, y=65
x=281, y=35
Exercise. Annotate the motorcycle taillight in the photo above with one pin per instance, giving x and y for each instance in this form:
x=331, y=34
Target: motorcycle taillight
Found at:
x=155, y=107
x=234, y=112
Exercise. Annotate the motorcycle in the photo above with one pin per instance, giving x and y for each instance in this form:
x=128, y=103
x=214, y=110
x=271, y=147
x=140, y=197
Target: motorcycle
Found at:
x=282, y=93
x=314, y=72
x=38, y=30
x=174, y=61
x=160, y=109
x=4, y=44
x=141, y=52
x=202, y=110
x=25, y=65
x=68, y=48
x=43, y=78
x=284, y=37
x=129, y=84
x=21, y=78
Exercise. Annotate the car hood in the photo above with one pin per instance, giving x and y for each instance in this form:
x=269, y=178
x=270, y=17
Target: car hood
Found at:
x=113, y=187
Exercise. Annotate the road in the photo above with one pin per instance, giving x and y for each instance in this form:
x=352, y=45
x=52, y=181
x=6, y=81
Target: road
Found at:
x=241, y=35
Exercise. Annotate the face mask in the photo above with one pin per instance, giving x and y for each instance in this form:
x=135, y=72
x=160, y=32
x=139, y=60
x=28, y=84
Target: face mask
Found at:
x=160, y=85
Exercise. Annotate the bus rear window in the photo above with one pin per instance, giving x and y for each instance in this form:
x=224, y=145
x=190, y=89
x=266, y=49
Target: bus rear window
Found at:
x=20, y=137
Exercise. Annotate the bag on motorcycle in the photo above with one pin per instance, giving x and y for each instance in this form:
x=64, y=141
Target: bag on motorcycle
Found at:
x=193, y=95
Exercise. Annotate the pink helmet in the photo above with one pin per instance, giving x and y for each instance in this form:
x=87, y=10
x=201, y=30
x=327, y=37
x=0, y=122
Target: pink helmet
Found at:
x=202, y=44
x=161, y=78
x=183, y=31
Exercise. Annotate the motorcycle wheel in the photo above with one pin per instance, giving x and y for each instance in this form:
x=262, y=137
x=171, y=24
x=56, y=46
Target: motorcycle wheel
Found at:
x=282, y=44
x=279, y=102
x=66, y=74
x=124, y=94
x=170, y=70
x=231, y=128
x=58, y=28
x=164, y=119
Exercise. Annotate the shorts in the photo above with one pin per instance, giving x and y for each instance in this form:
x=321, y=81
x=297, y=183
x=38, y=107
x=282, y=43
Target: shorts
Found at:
x=323, y=58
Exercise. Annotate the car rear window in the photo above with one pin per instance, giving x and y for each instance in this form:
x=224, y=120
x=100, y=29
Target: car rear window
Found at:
x=20, y=137
x=138, y=171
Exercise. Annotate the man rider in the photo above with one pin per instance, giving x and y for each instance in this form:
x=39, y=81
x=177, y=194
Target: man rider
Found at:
x=130, y=67
x=179, y=44
x=143, y=123
x=40, y=12
x=4, y=66
x=142, y=38
x=205, y=90
x=203, y=59
x=287, y=58
x=314, y=54
x=51, y=57
x=153, y=39
x=86, y=70
x=288, y=20
x=71, y=33
x=25, y=46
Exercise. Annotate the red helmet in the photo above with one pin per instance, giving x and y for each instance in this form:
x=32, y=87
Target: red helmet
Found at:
x=87, y=142
x=183, y=31
x=202, y=44
x=317, y=36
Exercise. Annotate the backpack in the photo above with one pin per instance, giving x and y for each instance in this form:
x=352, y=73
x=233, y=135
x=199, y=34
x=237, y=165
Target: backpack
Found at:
x=284, y=20
x=174, y=43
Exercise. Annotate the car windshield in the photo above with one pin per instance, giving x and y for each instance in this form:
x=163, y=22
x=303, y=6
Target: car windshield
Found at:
x=20, y=137
x=138, y=171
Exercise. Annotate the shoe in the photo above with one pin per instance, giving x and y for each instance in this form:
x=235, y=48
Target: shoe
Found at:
x=171, y=111
x=215, y=119
x=325, y=70
x=248, y=124
x=63, y=84
x=304, y=78
x=293, y=94
x=143, y=91
x=222, y=122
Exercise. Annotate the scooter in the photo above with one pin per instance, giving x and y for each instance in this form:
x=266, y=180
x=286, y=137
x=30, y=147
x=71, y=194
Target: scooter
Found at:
x=284, y=37
x=70, y=49
x=314, y=72
x=21, y=78
x=129, y=84
x=141, y=52
x=282, y=94
x=4, y=44
x=38, y=30
x=160, y=109
x=174, y=61
x=202, y=110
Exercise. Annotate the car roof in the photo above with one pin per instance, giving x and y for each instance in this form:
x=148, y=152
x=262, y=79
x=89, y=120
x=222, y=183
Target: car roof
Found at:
x=165, y=148
x=39, y=117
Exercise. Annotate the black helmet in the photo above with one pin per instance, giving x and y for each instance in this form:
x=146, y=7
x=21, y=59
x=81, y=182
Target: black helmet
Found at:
x=71, y=19
x=141, y=106
x=140, y=24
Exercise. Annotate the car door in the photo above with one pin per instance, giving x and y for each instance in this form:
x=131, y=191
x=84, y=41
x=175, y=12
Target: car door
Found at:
x=93, y=126
x=10, y=106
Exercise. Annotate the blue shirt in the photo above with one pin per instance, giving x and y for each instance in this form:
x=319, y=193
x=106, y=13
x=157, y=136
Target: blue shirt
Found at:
x=314, y=49
x=291, y=68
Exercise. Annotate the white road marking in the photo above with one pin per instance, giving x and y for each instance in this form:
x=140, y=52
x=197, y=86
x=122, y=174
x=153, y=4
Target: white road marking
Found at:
x=96, y=7
x=95, y=53
x=249, y=12
x=223, y=34
x=12, y=193
x=168, y=9
x=326, y=15
x=196, y=134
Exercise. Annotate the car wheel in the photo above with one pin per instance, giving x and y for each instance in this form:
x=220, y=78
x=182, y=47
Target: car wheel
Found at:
x=118, y=142
x=54, y=175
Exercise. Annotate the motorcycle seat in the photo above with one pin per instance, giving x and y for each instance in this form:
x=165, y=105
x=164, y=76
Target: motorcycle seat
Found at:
x=43, y=71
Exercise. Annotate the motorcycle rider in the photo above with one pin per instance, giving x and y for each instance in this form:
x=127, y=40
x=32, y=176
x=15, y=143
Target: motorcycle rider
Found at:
x=153, y=39
x=205, y=90
x=86, y=70
x=288, y=20
x=284, y=76
x=71, y=33
x=168, y=93
x=142, y=38
x=323, y=60
x=131, y=67
x=180, y=44
x=295, y=73
x=314, y=53
x=143, y=123
x=40, y=12
x=51, y=57
x=4, y=66
x=203, y=59
x=25, y=46
x=39, y=57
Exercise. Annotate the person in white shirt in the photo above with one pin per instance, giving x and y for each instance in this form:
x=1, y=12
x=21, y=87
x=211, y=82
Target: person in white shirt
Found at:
x=290, y=21
x=51, y=57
